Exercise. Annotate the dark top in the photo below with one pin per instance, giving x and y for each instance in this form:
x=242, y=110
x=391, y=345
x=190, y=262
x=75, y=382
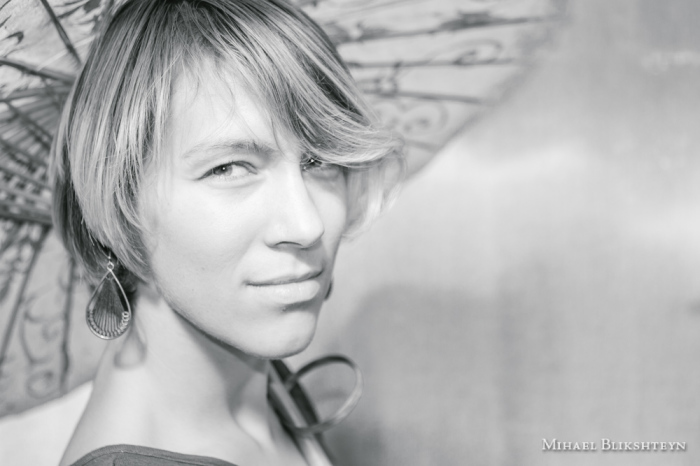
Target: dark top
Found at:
x=132, y=455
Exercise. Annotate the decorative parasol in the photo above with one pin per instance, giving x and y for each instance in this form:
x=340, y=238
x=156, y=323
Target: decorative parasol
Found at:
x=429, y=67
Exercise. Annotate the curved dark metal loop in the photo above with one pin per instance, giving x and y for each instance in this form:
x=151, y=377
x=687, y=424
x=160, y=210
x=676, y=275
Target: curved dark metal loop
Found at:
x=344, y=410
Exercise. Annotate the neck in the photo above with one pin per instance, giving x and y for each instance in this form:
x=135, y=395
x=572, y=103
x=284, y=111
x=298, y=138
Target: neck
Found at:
x=181, y=385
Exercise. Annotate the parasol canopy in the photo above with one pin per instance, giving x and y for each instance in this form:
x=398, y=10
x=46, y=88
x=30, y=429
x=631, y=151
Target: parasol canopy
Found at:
x=428, y=67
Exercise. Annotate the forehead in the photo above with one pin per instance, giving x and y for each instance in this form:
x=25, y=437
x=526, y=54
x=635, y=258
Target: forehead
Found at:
x=209, y=104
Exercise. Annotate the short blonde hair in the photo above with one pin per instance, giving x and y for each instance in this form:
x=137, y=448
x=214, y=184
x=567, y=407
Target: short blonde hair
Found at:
x=116, y=114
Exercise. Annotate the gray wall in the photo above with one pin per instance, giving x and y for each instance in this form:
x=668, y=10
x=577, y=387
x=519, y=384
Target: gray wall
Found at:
x=541, y=278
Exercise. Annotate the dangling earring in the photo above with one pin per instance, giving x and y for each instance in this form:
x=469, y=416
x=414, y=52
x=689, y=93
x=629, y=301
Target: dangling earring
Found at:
x=330, y=290
x=108, y=312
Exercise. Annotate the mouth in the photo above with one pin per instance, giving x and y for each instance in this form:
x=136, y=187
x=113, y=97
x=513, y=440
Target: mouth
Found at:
x=288, y=279
x=290, y=288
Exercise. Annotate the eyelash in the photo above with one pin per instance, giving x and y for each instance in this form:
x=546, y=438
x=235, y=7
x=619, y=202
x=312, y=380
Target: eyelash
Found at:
x=228, y=166
x=310, y=163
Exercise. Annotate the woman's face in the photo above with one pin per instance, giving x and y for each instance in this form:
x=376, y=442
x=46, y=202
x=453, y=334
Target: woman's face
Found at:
x=242, y=230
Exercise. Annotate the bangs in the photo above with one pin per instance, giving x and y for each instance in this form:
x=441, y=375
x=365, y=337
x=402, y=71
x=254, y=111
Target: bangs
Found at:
x=293, y=69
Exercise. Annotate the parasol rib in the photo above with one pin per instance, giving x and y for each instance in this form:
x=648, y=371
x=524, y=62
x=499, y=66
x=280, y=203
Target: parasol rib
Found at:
x=35, y=129
x=10, y=238
x=62, y=33
x=27, y=93
x=16, y=129
x=427, y=63
x=364, y=10
x=23, y=176
x=23, y=217
x=13, y=207
x=34, y=107
x=426, y=96
x=455, y=25
x=18, y=150
x=4, y=187
x=56, y=98
x=36, y=71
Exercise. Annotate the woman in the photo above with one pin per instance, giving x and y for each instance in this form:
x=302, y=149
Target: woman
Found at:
x=210, y=158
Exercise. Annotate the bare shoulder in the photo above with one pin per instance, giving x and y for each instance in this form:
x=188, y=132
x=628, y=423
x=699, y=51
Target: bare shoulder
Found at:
x=102, y=425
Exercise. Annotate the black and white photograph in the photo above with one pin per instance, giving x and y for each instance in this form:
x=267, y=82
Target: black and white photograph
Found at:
x=349, y=232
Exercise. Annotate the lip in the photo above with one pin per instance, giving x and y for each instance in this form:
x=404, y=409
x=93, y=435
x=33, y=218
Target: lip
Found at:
x=289, y=289
x=287, y=279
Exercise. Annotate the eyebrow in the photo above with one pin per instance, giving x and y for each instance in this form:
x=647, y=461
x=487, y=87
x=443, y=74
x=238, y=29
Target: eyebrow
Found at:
x=249, y=146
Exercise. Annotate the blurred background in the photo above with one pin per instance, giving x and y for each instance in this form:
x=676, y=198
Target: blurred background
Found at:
x=539, y=279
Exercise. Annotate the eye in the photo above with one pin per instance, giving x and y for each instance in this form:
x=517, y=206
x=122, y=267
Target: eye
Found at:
x=309, y=163
x=315, y=166
x=231, y=170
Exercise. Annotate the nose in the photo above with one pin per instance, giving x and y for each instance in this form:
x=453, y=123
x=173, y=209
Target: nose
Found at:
x=295, y=218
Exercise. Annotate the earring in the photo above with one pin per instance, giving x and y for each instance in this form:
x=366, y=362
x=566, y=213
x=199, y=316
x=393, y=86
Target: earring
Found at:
x=330, y=290
x=108, y=312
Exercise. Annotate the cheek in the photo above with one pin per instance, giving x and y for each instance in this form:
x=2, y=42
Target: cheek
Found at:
x=195, y=238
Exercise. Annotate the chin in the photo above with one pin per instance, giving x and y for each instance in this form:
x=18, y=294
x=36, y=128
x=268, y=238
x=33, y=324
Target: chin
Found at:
x=290, y=349
x=282, y=337
x=278, y=349
x=285, y=342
